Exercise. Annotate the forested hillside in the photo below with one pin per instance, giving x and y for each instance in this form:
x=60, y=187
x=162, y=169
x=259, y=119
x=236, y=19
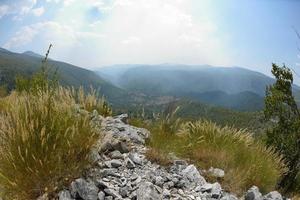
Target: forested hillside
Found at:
x=26, y=64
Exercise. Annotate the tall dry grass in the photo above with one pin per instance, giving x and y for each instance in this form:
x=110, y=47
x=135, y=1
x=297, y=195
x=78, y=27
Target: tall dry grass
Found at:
x=245, y=161
x=44, y=142
x=92, y=101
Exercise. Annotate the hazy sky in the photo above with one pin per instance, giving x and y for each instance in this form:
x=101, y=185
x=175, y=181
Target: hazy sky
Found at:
x=93, y=33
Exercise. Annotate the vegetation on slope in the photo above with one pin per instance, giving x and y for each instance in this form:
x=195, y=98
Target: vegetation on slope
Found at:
x=14, y=64
x=234, y=88
x=45, y=140
x=246, y=161
x=284, y=134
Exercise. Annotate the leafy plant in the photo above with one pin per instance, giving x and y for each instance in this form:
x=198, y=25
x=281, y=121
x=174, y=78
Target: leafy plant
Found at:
x=284, y=136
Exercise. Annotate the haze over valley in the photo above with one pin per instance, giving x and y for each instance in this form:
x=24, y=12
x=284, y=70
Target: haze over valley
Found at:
x=149, y=99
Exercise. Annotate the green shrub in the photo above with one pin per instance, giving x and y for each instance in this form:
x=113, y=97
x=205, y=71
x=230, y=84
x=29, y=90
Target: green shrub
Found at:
x=43, y=142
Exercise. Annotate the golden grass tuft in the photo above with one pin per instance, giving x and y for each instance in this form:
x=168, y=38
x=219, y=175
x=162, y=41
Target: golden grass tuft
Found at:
x=245, y=161
x=44, y=142
x=91, y=102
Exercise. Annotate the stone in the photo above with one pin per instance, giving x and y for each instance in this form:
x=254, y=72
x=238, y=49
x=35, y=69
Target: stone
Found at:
x=123, y=191
x=147, y=191
x=166, y=194
x=253, y=194
x=101, y=195
x=129, y=163
x=116, y=155
x=135, y=157
x=64, y=195
x=179, y=162
x=112, y=192
x=111, y=143
x=94, y=156
x=192, y=176
x=109, y=172
x=216, y=191
x=274, y=195
x=123, y=118
x=116, y=163
x=216, y=172
x=159, y=181
x=229, y=197
x=83, y=189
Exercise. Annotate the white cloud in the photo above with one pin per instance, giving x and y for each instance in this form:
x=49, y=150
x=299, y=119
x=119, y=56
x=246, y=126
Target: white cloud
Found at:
x=129, y=31
x=4, y=10
x=38, y=11
x=131, y=40
x=68, y=2
x=54, y=1
x=19, y=9
x=49, y=32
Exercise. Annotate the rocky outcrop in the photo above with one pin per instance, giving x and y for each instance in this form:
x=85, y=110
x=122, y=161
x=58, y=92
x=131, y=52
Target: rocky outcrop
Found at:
x=121, y=171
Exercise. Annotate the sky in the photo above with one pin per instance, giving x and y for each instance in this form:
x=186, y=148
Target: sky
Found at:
x=95, y=33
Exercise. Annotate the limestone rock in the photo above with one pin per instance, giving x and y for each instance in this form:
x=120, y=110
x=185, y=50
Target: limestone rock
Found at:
x=83, y=189
x=147, y=191
x=253, y=194
x=192, y=176
x=64, y=195
x=273, y=196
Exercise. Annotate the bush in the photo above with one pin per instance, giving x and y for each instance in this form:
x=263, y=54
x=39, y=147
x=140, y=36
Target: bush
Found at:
x=44, y=142
x=245, y=161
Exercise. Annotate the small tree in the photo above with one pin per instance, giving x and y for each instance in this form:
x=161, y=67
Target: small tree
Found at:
x=281, y=108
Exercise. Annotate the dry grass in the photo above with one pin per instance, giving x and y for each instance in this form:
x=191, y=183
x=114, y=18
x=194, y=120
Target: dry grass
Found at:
x=43, y=142
x=92, y=101
x=246, y=162
x=157, y=156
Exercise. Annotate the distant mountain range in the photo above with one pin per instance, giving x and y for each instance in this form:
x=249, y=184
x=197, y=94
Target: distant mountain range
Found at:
x=230, y=87
x=27, y=63
x=129, y=86
x=199, y=91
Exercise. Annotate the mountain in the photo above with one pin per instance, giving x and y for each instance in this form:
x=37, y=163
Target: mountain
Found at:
x=33, y=54
x=27, y=63
x=230, y=87
x=242, y=101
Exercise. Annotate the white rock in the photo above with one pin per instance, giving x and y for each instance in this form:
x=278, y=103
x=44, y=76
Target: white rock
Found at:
x=253, y=194
x=192, y=176
x=147, y=191
x=273, y=196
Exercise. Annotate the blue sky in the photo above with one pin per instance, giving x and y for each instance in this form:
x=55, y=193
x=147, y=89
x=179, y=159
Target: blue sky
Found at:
x=93, y=33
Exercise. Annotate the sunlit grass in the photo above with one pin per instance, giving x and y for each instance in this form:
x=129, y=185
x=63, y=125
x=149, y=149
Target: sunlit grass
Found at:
x=44, y=142
x=245, y=161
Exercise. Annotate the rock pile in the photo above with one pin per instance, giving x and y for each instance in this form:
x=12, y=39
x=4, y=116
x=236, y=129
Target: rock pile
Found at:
x=121, y=171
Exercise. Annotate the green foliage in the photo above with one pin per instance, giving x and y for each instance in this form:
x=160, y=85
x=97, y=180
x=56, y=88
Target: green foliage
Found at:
x=281, y=108
x=245, y=161
x=193, y=111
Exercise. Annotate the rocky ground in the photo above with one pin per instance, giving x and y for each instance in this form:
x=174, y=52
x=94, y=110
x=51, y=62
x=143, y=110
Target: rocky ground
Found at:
x=121, y=171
